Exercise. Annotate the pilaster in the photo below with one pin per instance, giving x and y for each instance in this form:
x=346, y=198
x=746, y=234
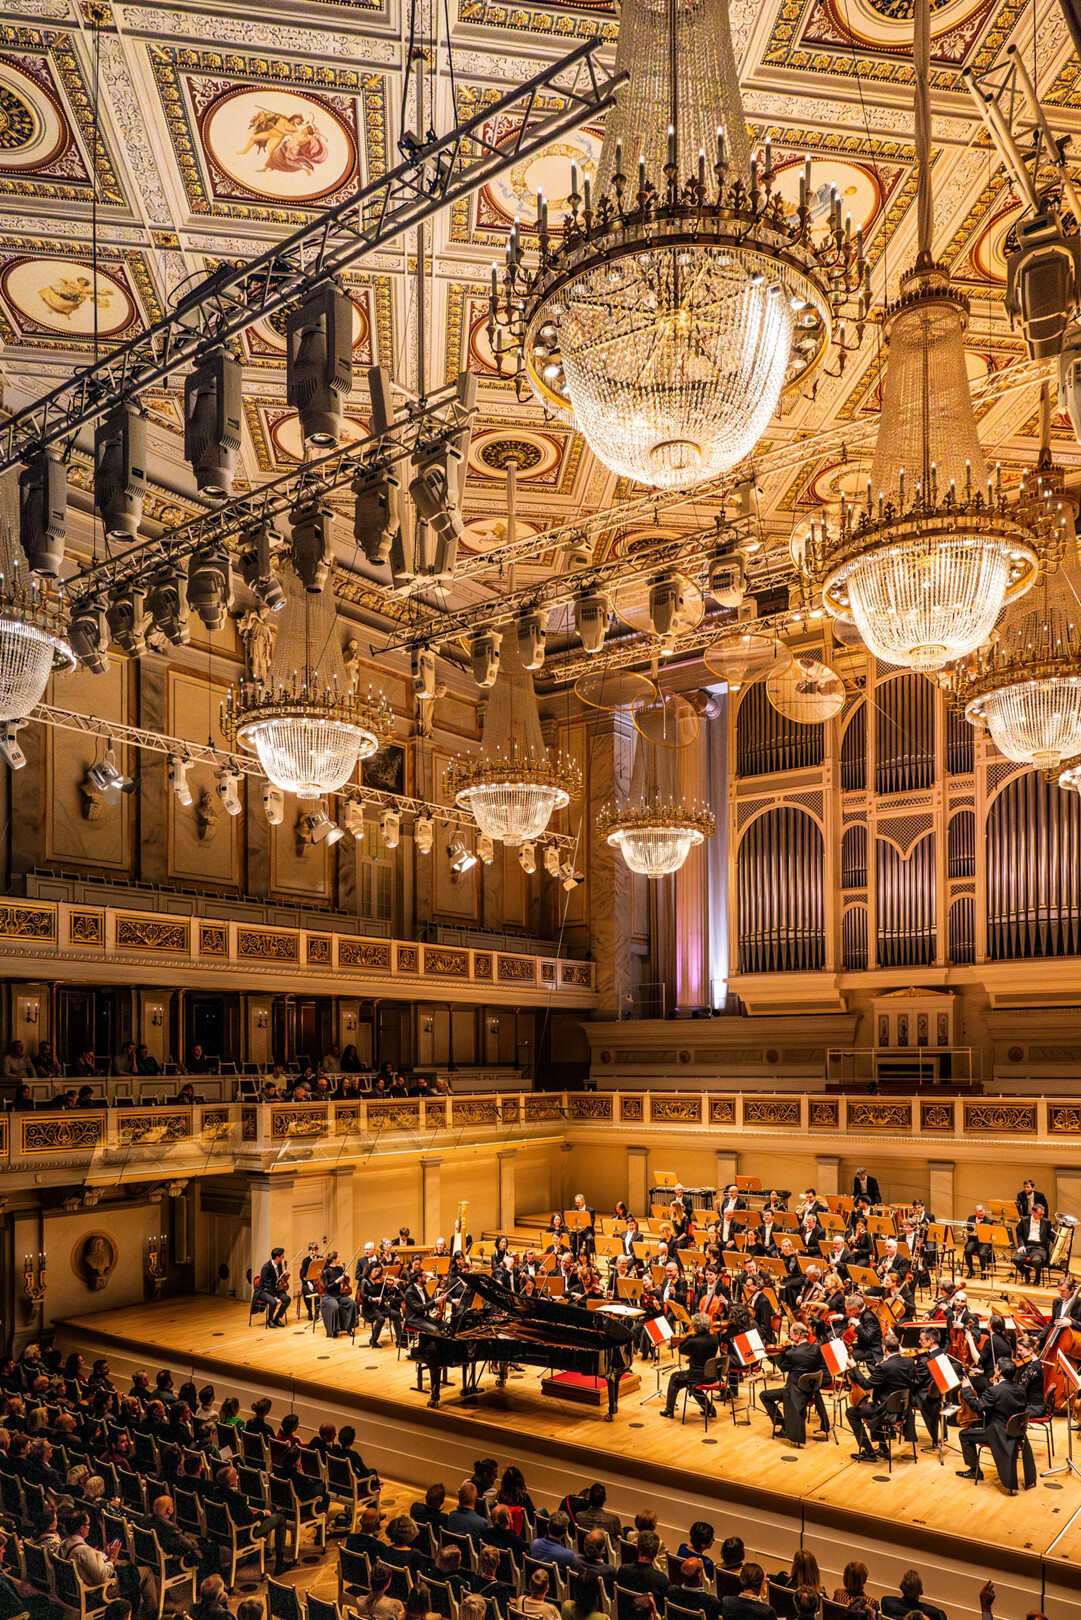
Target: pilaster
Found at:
x=431, y=1197
x=940, y=1187
x=507, y=1160
x=609, y=886
x=638, y=1181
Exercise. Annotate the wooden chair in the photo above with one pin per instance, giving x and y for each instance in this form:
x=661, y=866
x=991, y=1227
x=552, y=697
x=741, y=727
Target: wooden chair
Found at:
x=299, y=1516
x=88, y=1602
x=1016, y=1429
x=284, y=1602
x=354, y=1575
x=782, y=1599
x=349, y=1490
x=189, y=1511
x=464, y=1544
x=149, y=1555
x=38, y=1567
x=896, y=1418
x=240, y=1541
x=319, y=1609
x=443, y=1599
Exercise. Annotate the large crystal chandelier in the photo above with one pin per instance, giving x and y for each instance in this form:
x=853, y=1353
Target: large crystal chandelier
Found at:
x=32, y=627
x=306, y=724
x=681, y=295
x=512, y=786
x=657, y=826
x=925, y=568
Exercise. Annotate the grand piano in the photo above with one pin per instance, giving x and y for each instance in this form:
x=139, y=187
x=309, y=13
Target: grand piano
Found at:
x=540, y=1332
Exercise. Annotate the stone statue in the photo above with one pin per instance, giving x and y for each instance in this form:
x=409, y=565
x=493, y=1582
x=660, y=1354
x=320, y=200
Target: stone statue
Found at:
x=351, y=661
x=206, y=817
x=258, y=631
x=424, y=717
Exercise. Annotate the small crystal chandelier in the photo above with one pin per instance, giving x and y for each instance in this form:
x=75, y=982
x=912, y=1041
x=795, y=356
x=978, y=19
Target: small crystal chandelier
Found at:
x=671, y=312
x=33, y=642
x=512, y=786
x=656, y=827
x=307, y=726
x=926, y=567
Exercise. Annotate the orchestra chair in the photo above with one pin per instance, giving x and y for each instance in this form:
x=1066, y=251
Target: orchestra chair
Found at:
x=714, y=1385
x=350, y=1491
x=1047, y=1425
x=809, y=1384
x=319, y=1609
x=464, y=1544
x=782, y=1599
x=239, y=1541
x=299, y=1516
x=1016, y=1429
x=254, y=1308
x=168, y=1573
x=896, y=1418
x=284, y=1602
x=442, y=1596
x=87, y=1602
x=354, y=1575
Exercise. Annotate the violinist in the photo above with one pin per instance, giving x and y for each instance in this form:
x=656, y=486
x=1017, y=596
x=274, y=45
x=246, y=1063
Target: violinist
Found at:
x=673, y=1290
x=811, y=1294
x=894, y=1372
x=759, y=1308
x=380, y=1303
x=863, y=1332
x=811, y=1229
x=799, y=1358
x=860, y=1243
x=1035, y=1236
x=308, y=1291
x=976, y=1246
x=925, y=1392
x=997, y=1402
x=765, y=1237
x=501, y=1260
x=339, y=1309
x=617, y=1273
x=699, y=1347
x=833, y=1293
x=365, y=1261
x=630, y=1236
x=1026, y=1359
x=839, y=1256
x=995, y=1346
x=272, y=1289
x=1068, y=1304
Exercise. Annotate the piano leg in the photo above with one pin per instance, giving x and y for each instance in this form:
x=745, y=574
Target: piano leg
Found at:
x=435, y=1378
x=613, y=1396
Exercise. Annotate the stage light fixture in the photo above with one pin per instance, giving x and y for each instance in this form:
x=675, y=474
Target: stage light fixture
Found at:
x=462, y=858
x=128, y=619
x=323, y=830
x=319, y=362
x=551, y=860
x=423, y=669
x=486, y=848
x=273, y=804
x=532, y=631
x=377, y=508
x=668, y=605
x=9, y=744
x=43, y=512
x=484, y=656
x=527, y=858
x=88, y=635
x=728, y=579
x=1043, y=277
x=257, y=567
x=353, y=818
x=120, y=470
x=390, y=824
x=227, y=788
x=109, y=779
x=311, y=548
x=571, y=878
x=210, y=586
x=212, y=410
x=178, y=778
x=592, y=611
x=438, y=485
x=167, y=604
x=424, y=834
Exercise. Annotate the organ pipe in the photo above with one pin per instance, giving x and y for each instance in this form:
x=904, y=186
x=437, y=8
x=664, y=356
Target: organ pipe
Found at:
x=906, y=904
x=961, y=845
x=854, y=752
x=768, y=742
x=963, y=929
x=779, y=877
x=904, y=734
x=1033, y=871
x=854, y=939
x=854, y=857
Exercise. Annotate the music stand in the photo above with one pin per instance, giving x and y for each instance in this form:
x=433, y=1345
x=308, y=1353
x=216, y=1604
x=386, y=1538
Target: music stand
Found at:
x=1073, y=1380
x=864, y=1277
x=749, y=1183
x=630, y=1289
x=576, y=1220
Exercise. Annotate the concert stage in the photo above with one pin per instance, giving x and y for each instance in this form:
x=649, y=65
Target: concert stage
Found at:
x=739, y=1479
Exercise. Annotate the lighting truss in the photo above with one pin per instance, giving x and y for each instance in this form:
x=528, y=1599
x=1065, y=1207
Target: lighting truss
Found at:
x=204, y=754
x=239, y=294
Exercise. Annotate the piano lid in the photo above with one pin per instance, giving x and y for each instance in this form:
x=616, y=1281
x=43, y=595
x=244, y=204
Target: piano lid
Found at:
x=555, y=1314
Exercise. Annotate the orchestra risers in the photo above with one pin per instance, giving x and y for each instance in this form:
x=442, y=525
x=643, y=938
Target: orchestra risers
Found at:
x=956, y=1533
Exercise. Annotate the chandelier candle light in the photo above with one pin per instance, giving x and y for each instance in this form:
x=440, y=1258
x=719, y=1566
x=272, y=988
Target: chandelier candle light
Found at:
x=656, y=827
x=682, y=294
x=926, y=567
x=307, y=726
x=512, y=786
x=33, y=640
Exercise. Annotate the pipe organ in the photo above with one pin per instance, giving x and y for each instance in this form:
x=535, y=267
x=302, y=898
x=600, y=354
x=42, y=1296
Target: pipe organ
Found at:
x=779, y=879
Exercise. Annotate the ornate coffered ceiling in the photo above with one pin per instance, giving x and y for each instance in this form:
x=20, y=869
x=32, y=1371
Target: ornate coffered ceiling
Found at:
x=213, y=134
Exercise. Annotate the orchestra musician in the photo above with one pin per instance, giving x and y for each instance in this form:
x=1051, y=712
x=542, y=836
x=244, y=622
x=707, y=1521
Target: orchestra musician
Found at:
x=894, y=1372
x=630, y=1236
x=308, y=1290
x=1028, y=1198
x=617, y=1273
x=997, y=1402
x=811, y=1229
x=863, y=1333
x=1034, y=1235
x=673, y=1290
x=682, y=1233
x=727, y=1213
x=925, y=1392
x=898, y=1298
x=698, y=1348
x=339, y=1308
x=1067, y=1304
x=860, y=1242
x=839, y=1256
x=380, y=1303
x=415, y=1303
x=975, y=1247
x=1030, y=1375
x=585, y=1238
x=759, y=1308
x=365, y=1262
x=995, y=1346
x=799, y=1358
x=865, y=1186
x=792, y=1286
x=811, y=1293
x=811, y=1204
x=272, y=1289
x=765, y=1236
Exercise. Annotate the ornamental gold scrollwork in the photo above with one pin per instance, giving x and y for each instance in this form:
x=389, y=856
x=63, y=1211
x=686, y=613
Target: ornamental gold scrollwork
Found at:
x=879, y=1116
x=777, y=1114
x=539, y=1108
x=548, y=972
x=450, y=964
x=722, y=1110
x=249, y=1124
x=508, y=1110
x=4, y=1135
x=407, y=958
x=936, y=1116
x=363, y=953
x=212, y=1119
x=299, y=1120
x=676, y=1110
x=259, y=945
x=575, y=973
x=632, y=1110
x=482, y=965
x=27, y=922
x=393, y=1116
x=86, y=928
x=151, y=934
x=435, y=1112
x=1064, y=1120
x=213, y=939
x=517, y=969
x=319, y=950
x=348, y=1119
x=589, y=1107
x=824, y=1115
x=473, y=1111
x=64, y=1134
x=149, y=1127
x=1004, y=1117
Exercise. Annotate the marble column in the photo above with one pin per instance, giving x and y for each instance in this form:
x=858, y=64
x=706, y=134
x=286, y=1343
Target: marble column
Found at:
x=507, y=1204
x=431, y=1197
x=638, y=1181
x=1067, y=1194
x=610, y=745
x=691, y=882
x=271, y=1215
x=940, y=1188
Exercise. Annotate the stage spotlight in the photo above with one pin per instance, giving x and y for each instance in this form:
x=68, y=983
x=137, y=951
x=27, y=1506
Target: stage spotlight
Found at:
x=88, y=637
x=43, y=512
x=1042, y=276
x=484, y=656
x=461, y=857
x=120, y=470
x=527, y=858
x=323, y=830
x=257, y=566
x=728, y=579
x=319, y=362
x=592, y=611
x=423, y=667
x=532, y=630
x=212, y=395
x=551, y=860
x=228, y=790
x=311, y=548
x=390, y=823
x=571, y=878
x=424, y=834
x=667, y=605
x=273, y=804
x=178, y=778
x=9, y=744
x=210, y=586
x=485, y=848
x=376, y=515
x=353, y=818
x=109, y=779
x=167, y=603
x=128, y=619
x=438, y=484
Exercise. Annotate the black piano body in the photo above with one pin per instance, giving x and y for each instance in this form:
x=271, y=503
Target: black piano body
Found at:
x=538, y=1332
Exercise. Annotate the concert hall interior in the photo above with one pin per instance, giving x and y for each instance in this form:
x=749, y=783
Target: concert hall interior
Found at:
x=540, y=810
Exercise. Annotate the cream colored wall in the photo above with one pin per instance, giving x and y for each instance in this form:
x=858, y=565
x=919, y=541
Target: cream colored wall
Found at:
x=60, y=1233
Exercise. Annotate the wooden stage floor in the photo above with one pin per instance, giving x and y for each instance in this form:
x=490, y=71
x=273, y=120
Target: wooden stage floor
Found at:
x=922, y=1507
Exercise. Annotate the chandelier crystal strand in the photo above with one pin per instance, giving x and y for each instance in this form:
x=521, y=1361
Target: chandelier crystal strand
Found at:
x=308, y=728
x=681, y=294
x=512, y=787
x=656, y=828
x=32, y=624
x=926, y=567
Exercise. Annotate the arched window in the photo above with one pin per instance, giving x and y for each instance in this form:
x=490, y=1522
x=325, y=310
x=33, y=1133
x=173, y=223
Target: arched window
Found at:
x=779, y=884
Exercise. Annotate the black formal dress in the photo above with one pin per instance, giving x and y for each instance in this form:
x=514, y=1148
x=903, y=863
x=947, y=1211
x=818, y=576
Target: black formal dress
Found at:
x=339, y=1308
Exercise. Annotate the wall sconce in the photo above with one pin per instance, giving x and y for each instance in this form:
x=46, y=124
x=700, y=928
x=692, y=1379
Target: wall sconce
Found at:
x=350, y=1022
x=493, y=1026
x=34, y=1277
x=260, y=1018
x=30, y=1012
x=428, y=1025
x=156, y=1017
x=157, y=1263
